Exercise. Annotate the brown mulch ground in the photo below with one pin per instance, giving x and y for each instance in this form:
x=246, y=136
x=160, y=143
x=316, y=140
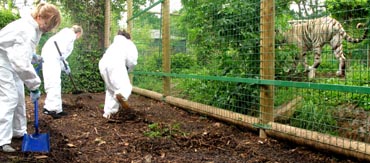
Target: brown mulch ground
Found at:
x=153, y=131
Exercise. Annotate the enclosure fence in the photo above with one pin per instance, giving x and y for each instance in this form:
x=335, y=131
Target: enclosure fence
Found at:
x=290, y=72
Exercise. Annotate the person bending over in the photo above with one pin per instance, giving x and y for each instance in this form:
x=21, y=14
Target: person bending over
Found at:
x=18, y=41
x=53, y=66
x=119, y=59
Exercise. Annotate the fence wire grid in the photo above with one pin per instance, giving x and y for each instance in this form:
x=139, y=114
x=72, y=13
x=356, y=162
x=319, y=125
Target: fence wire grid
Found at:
x=314, y=87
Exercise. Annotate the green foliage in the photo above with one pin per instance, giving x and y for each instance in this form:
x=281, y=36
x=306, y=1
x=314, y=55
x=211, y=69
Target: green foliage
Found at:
x=149, y=59
x=90, y=80
x=88, y=50
x=285, y=56
x=225, y=43
x=149, y=63
x=196, y=90
x=316, y=113
x=310, y=116
x=182, y=61
x=222, y=39
x=143, y=41
x=214, y=25
x=284, y=95
x=154, y=131
x=345, y=9
x=153, y=83
x=360, y=76
x=6, y=16
x=237, y=97
x=160, y=130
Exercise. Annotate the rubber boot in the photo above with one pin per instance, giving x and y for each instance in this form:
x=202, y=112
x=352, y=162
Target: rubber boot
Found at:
x=122, y=101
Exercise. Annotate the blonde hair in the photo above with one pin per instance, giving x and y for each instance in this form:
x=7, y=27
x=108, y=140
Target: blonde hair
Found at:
x=77, y=29
x=49, y=12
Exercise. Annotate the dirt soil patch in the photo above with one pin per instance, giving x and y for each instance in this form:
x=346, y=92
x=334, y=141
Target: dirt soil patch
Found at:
x=153, y=131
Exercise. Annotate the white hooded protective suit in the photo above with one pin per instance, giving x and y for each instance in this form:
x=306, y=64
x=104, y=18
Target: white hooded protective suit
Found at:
x=18, y=41
x=120, y=57
x=53, y=66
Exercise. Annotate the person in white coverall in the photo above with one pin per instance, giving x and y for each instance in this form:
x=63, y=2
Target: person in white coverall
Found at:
x=120, y=58
x=18, y=41
x=53, y=65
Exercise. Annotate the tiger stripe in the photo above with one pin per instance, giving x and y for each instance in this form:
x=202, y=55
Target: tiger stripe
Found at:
x=313, y=34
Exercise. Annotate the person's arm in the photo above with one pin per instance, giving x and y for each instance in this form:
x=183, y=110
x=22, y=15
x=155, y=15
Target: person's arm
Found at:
x=7, y=38
x=132, y=55
x=20, y=57
x=65, y=41
x=69, y=48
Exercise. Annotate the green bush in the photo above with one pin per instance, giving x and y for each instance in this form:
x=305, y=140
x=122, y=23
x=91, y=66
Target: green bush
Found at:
x=6, y=17
x=182, y=61
x=312, y=117
x=157, y=130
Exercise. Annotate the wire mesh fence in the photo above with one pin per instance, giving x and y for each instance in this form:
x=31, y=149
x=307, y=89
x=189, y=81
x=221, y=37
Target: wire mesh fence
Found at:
x=297, y=71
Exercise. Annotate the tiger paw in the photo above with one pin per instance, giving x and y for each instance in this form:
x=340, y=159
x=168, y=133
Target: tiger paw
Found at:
x=340, y=74
x=311, y=73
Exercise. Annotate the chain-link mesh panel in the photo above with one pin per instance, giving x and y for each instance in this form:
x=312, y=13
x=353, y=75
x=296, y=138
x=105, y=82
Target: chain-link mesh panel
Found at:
x=315, y=78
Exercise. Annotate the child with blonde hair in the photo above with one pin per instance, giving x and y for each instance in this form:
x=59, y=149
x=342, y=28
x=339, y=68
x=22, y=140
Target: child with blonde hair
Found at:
x=18, y=41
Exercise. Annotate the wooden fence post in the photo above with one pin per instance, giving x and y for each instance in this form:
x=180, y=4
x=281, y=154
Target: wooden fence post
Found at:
x=107, y=23
x=129, y=27
x=267, y=64
x=166, y=46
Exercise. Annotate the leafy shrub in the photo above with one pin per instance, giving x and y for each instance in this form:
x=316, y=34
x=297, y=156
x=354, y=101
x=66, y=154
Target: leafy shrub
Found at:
x=182, y=61
x=157, y=130
x=310, y=116
x=6, y=17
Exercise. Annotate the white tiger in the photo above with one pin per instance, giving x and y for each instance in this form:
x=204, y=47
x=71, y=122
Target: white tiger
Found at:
x=313, y=34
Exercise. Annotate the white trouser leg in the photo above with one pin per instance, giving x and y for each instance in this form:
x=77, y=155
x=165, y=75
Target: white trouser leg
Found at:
x=52, y=85
x=8, y=103
x=111, y=106
x=116, y=81
x=119, y=81
x=53, y=100
x=20, y=118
